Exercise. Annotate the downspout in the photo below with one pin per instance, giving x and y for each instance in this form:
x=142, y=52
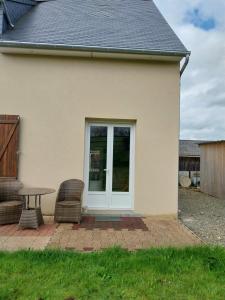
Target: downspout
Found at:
x=185, y=64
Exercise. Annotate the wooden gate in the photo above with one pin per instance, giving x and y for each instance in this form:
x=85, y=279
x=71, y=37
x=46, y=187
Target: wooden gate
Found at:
x=9, y=143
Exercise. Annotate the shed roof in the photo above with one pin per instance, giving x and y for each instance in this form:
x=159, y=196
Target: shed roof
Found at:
x=212, y=142
x=189, y=148
x=127, y=26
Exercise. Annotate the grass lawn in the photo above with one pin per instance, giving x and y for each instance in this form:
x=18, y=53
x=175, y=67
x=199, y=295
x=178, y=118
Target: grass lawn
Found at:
x=190, y=273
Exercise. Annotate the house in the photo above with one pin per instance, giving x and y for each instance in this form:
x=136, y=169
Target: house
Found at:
x=213, y=168
x=189, y=160
x=96, y=85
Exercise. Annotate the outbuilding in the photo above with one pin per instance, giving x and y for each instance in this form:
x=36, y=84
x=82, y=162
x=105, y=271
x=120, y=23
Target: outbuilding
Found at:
x=213, y=168
x=189, y=160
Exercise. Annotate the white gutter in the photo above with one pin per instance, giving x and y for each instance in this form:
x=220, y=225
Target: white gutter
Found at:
x=88, y=54
x=87, y=51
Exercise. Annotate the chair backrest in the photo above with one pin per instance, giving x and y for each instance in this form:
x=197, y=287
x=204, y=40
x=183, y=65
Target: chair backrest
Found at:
x=9, y=189
x=70, y=190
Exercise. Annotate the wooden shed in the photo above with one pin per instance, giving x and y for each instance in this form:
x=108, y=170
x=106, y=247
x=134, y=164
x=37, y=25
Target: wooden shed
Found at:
x=213, y=168
x=189, y=160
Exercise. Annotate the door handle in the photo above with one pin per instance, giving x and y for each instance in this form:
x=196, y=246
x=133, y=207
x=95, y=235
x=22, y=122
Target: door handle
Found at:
x=106, y=170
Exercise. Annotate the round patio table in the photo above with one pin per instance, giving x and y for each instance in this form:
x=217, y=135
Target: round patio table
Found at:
x=32, y=217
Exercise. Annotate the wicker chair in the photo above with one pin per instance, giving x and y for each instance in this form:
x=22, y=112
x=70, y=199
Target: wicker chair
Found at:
x=68, y=201
x=11, y=203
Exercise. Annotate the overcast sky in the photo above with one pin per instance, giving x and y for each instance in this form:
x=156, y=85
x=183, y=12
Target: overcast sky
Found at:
x=200, y=24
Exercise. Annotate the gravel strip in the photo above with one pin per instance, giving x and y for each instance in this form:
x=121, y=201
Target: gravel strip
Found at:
x=203, y=214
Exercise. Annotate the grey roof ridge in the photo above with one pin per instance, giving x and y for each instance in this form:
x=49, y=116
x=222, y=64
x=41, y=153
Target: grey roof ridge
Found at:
x=190, y=140
x=8, y=44
x=7, y=14
x=1, y=18
x=26, y=2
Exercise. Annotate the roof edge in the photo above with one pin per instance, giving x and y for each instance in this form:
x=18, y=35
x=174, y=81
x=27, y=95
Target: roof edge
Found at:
x=190, y=156
x=212, y=142
x=24, y=45
x=25, y=2
x=159, y=11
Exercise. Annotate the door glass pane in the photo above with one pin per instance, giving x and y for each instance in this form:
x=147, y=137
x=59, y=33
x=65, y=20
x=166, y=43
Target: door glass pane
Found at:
x=97, y=158
x=121, y=159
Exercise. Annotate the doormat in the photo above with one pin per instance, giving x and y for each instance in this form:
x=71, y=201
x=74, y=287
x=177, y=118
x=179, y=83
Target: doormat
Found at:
x=129, y=223
x=107, y=219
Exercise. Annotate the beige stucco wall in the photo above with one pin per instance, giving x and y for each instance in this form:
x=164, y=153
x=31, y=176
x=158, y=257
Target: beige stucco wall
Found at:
x=54, y=95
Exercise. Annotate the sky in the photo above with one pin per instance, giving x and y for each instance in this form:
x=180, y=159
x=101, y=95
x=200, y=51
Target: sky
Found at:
x=200, y=24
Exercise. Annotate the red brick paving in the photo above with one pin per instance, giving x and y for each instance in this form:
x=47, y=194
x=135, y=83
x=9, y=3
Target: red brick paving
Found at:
x=88, y=248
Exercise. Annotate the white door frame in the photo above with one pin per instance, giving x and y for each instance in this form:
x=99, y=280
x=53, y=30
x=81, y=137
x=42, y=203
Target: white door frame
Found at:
x=108, y=193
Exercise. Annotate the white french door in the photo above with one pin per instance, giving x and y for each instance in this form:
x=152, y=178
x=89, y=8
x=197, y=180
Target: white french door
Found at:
x=109, y=166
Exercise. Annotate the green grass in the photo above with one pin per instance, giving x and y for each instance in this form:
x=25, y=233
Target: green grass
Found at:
x=190, y=273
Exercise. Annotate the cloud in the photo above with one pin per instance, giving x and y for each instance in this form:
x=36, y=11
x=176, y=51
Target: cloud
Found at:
x=203, y=83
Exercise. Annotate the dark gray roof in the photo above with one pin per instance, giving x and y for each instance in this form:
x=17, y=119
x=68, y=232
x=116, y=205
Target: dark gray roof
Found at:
x=12, y=11
x=189, y=148
x=107, y=25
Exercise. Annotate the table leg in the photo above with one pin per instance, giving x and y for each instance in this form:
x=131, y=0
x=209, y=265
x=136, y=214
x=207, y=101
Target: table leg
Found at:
x=31, y=217
x=24, y=202
x=39, y=212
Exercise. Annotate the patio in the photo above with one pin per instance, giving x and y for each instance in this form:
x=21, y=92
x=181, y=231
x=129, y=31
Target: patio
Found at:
x=12, y=238
x=92, y=234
